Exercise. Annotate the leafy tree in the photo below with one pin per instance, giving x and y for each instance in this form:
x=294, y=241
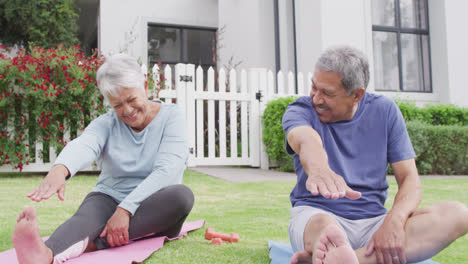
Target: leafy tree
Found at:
x=43, y=23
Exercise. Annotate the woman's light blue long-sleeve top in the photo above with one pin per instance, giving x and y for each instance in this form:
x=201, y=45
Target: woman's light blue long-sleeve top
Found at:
x=133, y=165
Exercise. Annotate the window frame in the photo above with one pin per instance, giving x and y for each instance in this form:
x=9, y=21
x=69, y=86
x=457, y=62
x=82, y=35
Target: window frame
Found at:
x=181, y=47
x=398, y=29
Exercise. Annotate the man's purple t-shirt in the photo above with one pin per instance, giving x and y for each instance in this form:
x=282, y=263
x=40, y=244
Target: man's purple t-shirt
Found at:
x=358, y=149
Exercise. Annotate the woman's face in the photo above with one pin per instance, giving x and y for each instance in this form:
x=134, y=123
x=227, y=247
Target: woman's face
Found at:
x=132, y=107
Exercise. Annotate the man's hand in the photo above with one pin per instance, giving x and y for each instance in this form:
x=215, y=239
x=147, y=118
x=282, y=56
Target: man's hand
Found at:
x=53, y=183
x=329, y=185
x=116, y=228
x=389, y=242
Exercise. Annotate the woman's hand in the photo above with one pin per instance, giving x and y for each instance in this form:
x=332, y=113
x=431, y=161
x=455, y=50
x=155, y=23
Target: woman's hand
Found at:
x=53, y=183
x=116, y=228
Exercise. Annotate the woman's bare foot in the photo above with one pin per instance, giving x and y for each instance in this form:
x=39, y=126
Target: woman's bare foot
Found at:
x=91, y=247
x=333, y=248
x=29, y=246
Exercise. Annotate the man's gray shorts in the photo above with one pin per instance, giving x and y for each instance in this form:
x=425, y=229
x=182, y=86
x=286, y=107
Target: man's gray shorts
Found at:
x=359, y=232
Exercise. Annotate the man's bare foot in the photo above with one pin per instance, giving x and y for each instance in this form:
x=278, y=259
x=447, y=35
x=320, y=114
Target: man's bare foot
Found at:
x=301, y=257
x=333, y=248
x=30, y=249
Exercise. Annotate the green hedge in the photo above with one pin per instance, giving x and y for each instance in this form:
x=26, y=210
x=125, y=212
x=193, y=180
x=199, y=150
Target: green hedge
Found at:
x=273, y=135
x=441, y=114
x=440, y=149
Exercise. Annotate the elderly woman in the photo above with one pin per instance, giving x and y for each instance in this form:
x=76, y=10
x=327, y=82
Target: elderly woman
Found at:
x=140, y=145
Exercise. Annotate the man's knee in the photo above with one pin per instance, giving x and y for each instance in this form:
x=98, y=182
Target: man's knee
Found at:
x=459, y=213
x=451, y=213
x=451, y=208
x=319, y=221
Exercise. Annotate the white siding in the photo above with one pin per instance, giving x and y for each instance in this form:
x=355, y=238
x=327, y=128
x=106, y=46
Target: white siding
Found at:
x=123, y=24
x=457, y=52
x=248, y=33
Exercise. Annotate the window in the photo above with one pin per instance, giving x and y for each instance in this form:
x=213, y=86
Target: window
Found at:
x=173, y=44
x=401, y=45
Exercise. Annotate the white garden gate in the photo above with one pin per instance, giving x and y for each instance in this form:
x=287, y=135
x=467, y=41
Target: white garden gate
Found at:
x=223, y=111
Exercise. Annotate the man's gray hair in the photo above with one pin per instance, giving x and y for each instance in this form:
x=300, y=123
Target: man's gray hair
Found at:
x=349, y=62
x=119, y=71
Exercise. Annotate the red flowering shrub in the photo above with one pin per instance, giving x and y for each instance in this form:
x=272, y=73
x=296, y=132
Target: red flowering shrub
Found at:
x=44, y=95
x=156, y=83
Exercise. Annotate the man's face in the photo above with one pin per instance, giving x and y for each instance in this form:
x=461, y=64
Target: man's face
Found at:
x=131, y=106
x=329, y=97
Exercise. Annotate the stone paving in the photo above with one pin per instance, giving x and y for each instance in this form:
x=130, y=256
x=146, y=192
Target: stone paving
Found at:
x=240, y=174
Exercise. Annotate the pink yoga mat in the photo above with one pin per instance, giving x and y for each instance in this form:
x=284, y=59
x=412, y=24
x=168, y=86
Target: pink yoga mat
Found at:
x=133, y=252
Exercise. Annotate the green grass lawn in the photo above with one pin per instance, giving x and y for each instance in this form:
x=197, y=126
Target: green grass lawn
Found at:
x=257, y=211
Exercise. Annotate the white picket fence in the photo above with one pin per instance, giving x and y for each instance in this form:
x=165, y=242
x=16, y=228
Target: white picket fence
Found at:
x=216, y=136
x=223, y=112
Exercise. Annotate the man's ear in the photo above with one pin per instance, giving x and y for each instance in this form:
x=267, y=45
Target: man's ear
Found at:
x=358, y=94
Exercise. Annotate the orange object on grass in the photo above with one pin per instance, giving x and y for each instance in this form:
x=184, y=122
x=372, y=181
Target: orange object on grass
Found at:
x=210, y=234
x=217, y=241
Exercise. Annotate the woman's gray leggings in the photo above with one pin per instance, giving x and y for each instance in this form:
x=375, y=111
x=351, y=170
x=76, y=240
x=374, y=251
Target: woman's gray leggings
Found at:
x=162, y=213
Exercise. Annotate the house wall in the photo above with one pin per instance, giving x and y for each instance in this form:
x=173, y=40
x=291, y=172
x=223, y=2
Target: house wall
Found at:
x=123, y=24
x=286, y=35
x=309, y=33
x=449, y=48
x=248, y=33
x=325, y=23
x=439, y=52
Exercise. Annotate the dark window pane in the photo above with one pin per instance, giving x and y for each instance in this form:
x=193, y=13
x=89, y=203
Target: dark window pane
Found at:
x=394, y=49
x=415, y=62
x=413, y=14
x=386, y=73
x=383, y=12
x=163, y=44
x=199, y=46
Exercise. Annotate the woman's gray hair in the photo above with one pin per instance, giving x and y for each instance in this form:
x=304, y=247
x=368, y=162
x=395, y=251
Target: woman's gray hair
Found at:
x=119, y=71
x=349, y=62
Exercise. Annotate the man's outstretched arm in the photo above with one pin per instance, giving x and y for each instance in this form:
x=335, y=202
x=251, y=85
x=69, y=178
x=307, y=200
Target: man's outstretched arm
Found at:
x=306, y=142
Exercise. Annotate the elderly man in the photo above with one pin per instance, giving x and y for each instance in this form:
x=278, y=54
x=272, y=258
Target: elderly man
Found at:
x=342, y=139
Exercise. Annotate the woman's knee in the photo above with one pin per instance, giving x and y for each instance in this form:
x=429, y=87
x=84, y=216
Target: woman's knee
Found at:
x=181, y=197
x=95, y=208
